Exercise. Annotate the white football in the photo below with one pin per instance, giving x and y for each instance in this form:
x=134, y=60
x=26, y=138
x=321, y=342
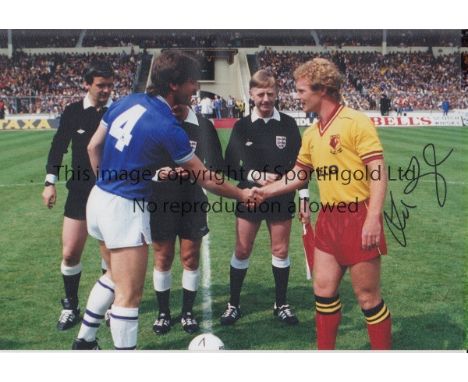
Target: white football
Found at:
x=206, y=341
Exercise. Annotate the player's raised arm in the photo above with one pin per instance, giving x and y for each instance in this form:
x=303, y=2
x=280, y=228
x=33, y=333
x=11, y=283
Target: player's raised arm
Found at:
x=95, y=147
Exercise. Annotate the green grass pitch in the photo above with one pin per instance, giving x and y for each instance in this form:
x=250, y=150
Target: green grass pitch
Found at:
x=425, y=284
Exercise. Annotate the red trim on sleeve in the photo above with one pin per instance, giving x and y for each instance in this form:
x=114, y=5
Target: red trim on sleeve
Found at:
x=304, y=166
x=372, y=158
x=372, y=152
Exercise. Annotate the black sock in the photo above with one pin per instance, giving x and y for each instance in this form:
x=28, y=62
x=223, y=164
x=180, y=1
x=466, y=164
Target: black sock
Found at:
x=236, y=280
x=71, y=284
x=188, y=300
x=281, y=276
x=162, y=299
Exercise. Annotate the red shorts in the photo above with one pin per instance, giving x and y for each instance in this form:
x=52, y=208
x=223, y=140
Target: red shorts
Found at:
x=339, y=234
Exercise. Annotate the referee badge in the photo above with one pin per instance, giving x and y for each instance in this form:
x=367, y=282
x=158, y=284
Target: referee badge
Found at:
x=335, y=143
x=193, y=144
x=280, y=141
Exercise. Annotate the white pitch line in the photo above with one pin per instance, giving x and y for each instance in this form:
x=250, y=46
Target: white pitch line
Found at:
x=207, y=322
x=447, y=181
x=26, y=184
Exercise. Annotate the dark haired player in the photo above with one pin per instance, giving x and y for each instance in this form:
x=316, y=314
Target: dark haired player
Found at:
x=134, y=135
x=78, y=123
x=173, y=186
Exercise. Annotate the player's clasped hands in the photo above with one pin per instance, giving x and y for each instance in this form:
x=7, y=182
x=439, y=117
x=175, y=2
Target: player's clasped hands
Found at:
x=266, y=178
x=250, y=198
x=165, y=173
x=253, y=196
x=182, y=172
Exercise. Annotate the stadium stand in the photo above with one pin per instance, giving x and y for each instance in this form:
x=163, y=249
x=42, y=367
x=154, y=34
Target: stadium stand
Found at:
x=465, y=72
x=226, y=38
x=47, y=83
x=32, y=81
x=3, y=38
x=464, y=38
x=39, y=38
x=350, y=37
x=196, y=38
x=394, y=37
x=423, y=37
x=422, y=79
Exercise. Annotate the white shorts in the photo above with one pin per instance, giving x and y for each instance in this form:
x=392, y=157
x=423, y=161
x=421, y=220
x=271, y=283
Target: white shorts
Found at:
x=118, y=222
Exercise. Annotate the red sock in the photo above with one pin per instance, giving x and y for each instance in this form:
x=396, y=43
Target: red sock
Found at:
x=380, y=335
x=379, y=327
x=327, y=320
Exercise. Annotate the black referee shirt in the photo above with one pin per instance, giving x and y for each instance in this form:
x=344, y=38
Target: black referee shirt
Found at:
x=204, y=139
x=77, y=125
x=268, y=147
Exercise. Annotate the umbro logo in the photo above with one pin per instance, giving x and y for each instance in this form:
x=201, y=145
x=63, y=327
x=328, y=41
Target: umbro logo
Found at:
x=249, y=143
x=80, y=131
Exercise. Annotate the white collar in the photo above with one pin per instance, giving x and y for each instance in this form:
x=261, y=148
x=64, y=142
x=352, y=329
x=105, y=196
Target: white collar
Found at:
x=87, y=102
x=192, y=117
x=162, y=99
x=254, y=116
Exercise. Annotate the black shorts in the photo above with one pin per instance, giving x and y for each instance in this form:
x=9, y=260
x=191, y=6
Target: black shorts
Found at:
x=167, y=225
x=75, y=206
x=178, y=210
x=279, y=208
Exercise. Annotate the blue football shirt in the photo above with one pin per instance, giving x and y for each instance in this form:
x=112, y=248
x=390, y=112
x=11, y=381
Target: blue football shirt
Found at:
x=141, y=130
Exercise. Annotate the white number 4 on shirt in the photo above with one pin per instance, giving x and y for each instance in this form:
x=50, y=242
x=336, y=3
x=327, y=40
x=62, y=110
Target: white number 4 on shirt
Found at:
x=123, y=125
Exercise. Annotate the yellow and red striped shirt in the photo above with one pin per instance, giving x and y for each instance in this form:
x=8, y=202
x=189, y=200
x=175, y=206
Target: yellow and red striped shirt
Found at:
x=338, y=152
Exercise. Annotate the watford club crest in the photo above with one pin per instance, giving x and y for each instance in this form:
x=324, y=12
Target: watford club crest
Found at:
x=280, y=142
x=335, y=144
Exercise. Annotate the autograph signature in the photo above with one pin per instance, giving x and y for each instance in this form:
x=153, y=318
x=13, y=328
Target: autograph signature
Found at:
x=397, y=218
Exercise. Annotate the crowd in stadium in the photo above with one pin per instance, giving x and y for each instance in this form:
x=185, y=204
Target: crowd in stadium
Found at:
x=393, y=37
x=27, y=38
x=465, y=72
x=46, y=83
x=156, y=38
x=424, y=81
x=202, y=38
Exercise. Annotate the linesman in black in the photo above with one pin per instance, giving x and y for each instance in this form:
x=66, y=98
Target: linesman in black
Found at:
x=262, y=147
x=78, y=123
x=180, y=213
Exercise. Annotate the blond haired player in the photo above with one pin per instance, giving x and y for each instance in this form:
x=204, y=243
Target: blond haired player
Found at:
x=349, y=230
